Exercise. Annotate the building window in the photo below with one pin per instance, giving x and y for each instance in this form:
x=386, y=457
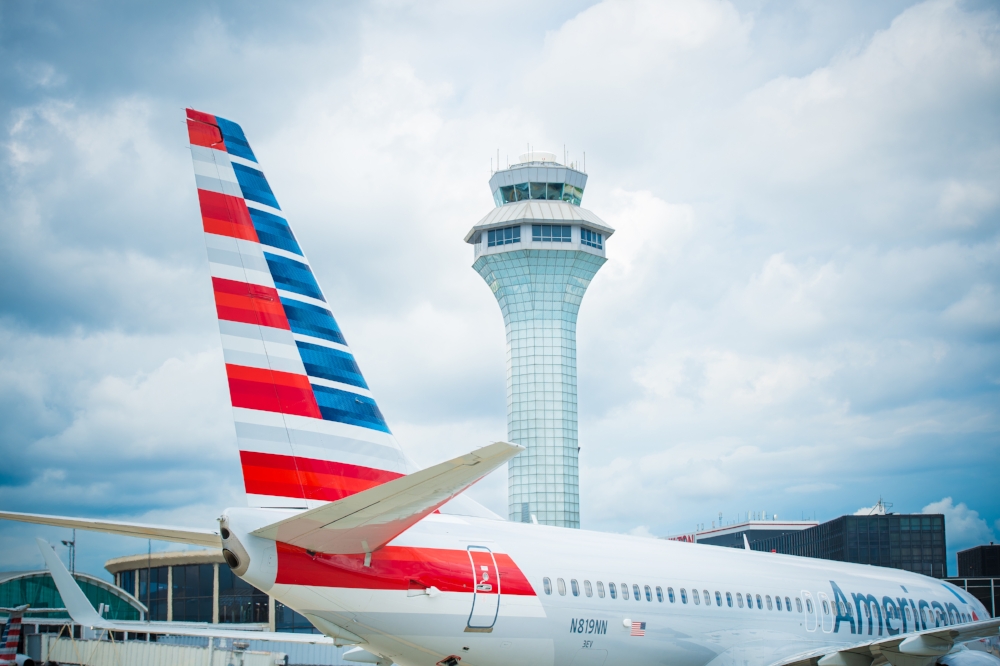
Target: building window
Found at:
x=552, y=233
x=127, y=579
x=561, y=586
x=587, y=589
x=504, y=236
x=286, y=619
x=591, y=238
x=547, y=585
x=539, y=191
x=153, y=591
x=192, y=592
x=239, y=601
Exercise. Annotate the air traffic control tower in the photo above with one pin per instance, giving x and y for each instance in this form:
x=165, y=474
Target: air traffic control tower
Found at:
x=538, y=250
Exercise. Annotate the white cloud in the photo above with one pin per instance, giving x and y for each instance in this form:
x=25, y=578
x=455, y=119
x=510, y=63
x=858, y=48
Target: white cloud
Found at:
x=963, y=526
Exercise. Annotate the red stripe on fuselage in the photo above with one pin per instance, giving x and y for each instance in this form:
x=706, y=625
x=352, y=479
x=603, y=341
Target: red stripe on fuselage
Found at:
x=248, y=303
x=307, y=478
x=394, y=568
x=224, y=215
x=271, y=391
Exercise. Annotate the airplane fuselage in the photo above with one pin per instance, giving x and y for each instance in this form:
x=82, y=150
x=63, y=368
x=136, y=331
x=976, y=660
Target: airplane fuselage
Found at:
x=494, y=592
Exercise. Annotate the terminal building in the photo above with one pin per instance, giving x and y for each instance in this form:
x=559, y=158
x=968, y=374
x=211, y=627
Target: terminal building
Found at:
x=979, y=573
x=191, y=586
x=538, y=250
x=914, y=542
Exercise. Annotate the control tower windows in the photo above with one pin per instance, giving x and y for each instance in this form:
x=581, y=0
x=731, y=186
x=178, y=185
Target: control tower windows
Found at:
x=552, y=233
x=539, y=191
x=504, y=236
x=591, y=238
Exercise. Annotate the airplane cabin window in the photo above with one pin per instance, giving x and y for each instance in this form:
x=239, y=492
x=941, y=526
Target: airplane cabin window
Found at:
x=809, y=605
x=684, y=596
x=760, y=606
x=613, y=590
x=670, y=594
x=695, y=598
x=625, y=591
x=739, y=599
x=708, y=597
x=798, y=604
x=587, y=589
x=600, y=589
x=749, y=600
x=575, y=586
x=768, y=599
x=729, y=599
x=649, y=594
x=561, y=586
x=777, y=601
x=659, y=594
x=788, y=604
x=635, y=590
x=547, y=585
x=718, y=598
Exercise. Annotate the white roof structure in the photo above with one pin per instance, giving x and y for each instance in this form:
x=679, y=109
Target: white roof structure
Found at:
x=538, y=211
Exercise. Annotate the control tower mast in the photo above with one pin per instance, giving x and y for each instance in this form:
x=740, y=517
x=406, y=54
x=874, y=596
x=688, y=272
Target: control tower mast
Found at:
x=538, y=250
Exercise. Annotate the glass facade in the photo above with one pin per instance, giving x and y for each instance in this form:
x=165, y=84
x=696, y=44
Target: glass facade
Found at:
x=153, y=591
x=544, y=191
x=239, y=601
x=539, y=293
x=591, y=238
x=911, y=542
x=39, y=590
x=193, y=586
x=286, y=619
x=552, y=233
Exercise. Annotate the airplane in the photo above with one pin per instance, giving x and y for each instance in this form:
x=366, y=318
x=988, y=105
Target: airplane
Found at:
x=344, y=528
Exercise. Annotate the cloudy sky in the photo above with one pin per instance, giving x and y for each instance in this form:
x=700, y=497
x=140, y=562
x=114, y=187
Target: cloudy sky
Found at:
x=800, y=312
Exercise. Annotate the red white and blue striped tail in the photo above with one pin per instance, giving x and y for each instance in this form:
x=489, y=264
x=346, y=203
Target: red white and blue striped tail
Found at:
x=11, y=635
x=308, y=428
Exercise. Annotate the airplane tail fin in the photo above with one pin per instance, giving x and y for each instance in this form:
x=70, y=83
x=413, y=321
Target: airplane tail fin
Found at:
x=11, y=635
x=308, y=428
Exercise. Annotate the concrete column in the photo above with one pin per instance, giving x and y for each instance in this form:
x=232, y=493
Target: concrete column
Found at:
x=271, y=620
x=215, y=594
x=170, y=594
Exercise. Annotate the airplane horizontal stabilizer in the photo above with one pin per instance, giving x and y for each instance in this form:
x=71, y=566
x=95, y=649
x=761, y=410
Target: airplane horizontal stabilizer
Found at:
x=82, y=612
x=371, y=518
x=920, y=648
x=193, y=536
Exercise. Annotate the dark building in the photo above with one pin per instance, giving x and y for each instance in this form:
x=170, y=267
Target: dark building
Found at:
x=981, y=561
x=911, y=542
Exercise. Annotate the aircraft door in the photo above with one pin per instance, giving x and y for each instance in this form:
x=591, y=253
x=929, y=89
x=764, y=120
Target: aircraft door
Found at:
x=825, y=610
x=485, y=590
x=809, y=608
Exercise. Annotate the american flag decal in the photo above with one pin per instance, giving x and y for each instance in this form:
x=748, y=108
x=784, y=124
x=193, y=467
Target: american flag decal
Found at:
x=638, y=629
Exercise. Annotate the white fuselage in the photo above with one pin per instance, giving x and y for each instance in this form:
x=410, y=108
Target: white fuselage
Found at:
x=424, y=597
